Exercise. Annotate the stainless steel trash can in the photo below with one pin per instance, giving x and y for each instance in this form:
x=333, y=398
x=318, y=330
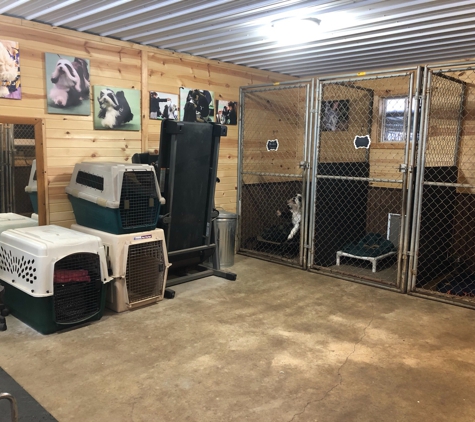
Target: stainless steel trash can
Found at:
x=226, y=222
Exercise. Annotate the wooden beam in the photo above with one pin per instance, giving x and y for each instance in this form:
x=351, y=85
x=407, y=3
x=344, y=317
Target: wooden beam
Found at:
x=145, y=101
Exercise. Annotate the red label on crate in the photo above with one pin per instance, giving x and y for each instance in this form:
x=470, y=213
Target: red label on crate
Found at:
x=68, y=276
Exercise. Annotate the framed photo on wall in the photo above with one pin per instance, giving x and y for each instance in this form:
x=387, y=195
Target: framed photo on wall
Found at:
x=335, y=115
x=196, y=105
x=163, y=105
x=67, y=84
x=116, y=108
x=10, y=86
x=226, y=112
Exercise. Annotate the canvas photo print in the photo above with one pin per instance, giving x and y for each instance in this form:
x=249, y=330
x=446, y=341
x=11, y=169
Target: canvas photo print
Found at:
x=10, y=86
x=196, y=105
x=226, y=112
x=67, y=84
x=335, y=115
x=116, y=108
x=163, y=105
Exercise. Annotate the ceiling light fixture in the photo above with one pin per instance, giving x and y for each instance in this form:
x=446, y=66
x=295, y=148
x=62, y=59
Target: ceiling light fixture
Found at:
x=294, y=30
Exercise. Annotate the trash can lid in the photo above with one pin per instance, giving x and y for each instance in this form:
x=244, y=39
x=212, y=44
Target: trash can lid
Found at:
x=227, y=215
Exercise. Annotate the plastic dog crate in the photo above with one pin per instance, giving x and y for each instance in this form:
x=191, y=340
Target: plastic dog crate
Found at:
x=32, y=188
x=139, y=264
x=53, y=277
x=115, y=198
x=11, y=220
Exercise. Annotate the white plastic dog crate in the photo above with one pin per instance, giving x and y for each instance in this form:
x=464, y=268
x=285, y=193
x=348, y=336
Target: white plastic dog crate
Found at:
x=53, y=277
x=139, y=264
x=10, y=220
x=115, y=198
x=32, y=188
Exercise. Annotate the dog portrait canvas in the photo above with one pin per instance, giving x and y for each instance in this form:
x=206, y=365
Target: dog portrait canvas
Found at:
x=116, y=108
x=163, y=105
x=196, y=105
x=226, y=113
x=10, y=86
x=68, y=84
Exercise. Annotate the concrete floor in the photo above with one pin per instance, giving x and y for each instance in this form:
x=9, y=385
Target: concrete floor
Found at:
x=278, y=344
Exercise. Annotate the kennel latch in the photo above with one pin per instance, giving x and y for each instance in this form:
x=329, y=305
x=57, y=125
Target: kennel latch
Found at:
x=304, y=165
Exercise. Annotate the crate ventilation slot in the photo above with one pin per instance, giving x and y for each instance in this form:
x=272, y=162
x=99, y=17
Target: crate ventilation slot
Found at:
x=20, y=267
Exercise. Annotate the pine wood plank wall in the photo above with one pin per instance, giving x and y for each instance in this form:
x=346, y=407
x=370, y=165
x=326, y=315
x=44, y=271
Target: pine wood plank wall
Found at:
x=72, y=139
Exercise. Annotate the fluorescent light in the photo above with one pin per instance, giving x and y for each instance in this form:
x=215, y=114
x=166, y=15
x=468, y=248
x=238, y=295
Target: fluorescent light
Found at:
x=294, y=30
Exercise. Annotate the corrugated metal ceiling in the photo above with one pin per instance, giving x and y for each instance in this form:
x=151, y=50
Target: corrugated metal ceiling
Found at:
x=353, y=35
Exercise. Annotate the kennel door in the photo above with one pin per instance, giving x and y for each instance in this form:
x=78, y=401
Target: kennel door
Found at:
x=365, y=138
x=443, y=264
x=273, y=168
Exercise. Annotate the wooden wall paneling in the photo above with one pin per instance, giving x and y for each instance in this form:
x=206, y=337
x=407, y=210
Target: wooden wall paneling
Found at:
x=69, y=139
x=145, y=99
x=41, y=172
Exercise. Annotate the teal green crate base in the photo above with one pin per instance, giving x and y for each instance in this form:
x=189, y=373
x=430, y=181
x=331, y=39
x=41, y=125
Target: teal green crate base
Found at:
x=89, y=214
x=34, y=201
x=38, y=312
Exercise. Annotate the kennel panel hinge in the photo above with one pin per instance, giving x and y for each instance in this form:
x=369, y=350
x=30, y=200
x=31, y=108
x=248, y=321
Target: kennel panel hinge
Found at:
x=404, y=168
x=304, y=165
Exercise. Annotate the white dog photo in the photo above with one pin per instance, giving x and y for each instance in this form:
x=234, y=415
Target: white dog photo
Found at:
x=9, y=70
x=116, y=108
x=68, y=84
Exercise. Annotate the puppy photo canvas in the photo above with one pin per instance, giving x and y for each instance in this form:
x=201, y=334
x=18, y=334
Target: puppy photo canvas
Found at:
x=163, y=105
x=68, y=84
x=196, y=105
x=116, y=108
x=10, y=70
x=226, y=112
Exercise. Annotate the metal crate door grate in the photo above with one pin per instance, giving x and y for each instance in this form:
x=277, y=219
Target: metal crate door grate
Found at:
x=78, y=288
x=364, y=140
x=444, y=247
x=139, y=203
x=273, y=171
x=145, y=271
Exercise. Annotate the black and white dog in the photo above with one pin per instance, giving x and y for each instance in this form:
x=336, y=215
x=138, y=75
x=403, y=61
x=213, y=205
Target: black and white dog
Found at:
x=71, y=82
x=115, y=110
x=294, y=213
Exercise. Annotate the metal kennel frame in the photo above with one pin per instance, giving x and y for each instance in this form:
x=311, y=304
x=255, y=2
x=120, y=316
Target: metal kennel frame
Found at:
x=274, y=165
x=355, y=191
x=418, y=173
x=443, y=264
x=17, y=152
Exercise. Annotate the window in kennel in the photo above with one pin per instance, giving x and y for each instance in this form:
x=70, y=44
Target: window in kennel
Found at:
x=395, y=117
x=145, y=271
x=77, y=288
x=360, y=177
x=17, y=153
x=273, y=171
x=443, y=264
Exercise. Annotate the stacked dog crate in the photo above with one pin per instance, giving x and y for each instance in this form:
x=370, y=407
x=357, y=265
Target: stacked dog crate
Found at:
x=120, y=203
x=53, y=277
x=10, y=220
